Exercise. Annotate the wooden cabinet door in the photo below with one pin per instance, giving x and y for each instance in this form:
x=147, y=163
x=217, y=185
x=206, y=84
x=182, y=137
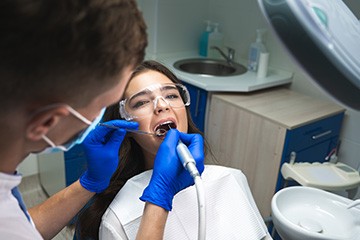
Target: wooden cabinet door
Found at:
x=248, y=142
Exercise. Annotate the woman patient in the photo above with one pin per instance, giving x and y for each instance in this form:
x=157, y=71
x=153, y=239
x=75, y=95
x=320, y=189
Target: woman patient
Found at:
x=156, y=100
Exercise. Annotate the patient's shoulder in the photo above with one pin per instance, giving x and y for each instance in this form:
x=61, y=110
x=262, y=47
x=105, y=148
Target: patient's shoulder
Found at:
x=213, y=173
x=216, y=172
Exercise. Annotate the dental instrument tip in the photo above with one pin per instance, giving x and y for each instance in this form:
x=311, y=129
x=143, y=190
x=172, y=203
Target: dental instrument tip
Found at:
x=128, y=129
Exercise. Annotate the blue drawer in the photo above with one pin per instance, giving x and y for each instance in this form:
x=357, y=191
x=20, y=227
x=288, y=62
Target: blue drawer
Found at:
x=315, y=133
x=311, y=143
x=75, y=164
x=75, y=152
x=198, y=99
x=74, y=168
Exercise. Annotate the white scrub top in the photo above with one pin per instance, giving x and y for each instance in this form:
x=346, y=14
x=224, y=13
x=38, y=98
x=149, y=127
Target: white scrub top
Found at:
x=13, y=222
x=231, y=212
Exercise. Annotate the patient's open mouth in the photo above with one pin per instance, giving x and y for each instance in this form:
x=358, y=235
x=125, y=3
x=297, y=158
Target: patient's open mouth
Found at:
x=162, y=128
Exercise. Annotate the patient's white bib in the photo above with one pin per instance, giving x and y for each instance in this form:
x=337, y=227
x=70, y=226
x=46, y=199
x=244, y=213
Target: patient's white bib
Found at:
x=231, y=212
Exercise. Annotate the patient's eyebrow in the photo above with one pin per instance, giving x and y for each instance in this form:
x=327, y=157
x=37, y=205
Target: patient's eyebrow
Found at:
x=144, y=92
x=168, y=87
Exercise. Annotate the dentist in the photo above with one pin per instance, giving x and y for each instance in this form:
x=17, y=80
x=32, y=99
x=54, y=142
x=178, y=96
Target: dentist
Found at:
x=61, y=63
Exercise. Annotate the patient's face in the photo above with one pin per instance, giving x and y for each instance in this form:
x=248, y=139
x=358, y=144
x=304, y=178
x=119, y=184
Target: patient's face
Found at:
x=162, y=113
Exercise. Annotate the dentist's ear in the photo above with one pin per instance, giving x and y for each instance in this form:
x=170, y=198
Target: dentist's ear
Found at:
x=41, y=123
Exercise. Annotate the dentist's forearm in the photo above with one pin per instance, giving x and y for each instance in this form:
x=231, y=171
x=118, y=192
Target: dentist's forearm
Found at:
x=51, y=216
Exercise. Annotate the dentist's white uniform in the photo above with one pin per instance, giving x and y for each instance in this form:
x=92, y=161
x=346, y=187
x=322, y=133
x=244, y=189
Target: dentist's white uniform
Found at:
x=231, y=212
x=13, y=222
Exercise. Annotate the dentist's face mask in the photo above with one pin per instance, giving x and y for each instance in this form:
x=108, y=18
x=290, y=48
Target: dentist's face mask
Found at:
x=80, y=136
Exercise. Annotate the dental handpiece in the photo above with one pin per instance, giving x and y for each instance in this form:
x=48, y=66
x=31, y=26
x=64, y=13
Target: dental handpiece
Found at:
x=187, y=159
x=190, y=165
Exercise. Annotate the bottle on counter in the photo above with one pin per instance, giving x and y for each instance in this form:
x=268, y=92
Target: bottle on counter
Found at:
x=256, y=48
x=204, y=40
x=263, y=65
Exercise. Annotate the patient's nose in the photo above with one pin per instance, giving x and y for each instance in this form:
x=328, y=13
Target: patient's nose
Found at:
x=160, y=104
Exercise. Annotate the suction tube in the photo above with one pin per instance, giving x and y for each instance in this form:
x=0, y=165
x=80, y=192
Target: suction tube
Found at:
x=190, y=165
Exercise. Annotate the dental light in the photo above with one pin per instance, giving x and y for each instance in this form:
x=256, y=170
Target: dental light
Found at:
x=323, y=37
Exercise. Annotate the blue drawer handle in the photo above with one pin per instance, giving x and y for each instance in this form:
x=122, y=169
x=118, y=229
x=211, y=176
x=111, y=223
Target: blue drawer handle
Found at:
x=197, y=103
x=321, y=135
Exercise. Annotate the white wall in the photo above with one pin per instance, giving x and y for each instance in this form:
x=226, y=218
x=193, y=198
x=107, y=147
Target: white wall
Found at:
x=179, y=30
x=173, y=25
x=29, y=166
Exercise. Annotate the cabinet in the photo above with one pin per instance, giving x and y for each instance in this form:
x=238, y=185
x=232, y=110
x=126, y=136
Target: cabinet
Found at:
x=256, y=133
x=75, y=164
x=198, y=98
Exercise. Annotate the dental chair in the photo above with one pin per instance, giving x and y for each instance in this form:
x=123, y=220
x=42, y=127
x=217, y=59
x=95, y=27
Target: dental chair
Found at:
x=231, y=212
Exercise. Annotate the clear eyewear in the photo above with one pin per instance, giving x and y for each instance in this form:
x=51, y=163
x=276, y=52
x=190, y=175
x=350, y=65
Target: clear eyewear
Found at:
x=144, y=102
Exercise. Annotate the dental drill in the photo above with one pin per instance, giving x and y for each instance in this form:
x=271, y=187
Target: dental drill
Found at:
x=190, y=165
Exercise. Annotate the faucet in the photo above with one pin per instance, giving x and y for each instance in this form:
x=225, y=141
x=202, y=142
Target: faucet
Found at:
x=229, y=57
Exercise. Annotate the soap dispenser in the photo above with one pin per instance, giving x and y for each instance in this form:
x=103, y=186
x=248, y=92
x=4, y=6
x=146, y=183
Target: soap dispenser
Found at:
x=216, y=38
x=204, y=40
x=256, y=48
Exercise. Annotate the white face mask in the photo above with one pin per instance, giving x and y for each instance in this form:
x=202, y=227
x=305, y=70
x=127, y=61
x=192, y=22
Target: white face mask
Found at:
x=79, y=138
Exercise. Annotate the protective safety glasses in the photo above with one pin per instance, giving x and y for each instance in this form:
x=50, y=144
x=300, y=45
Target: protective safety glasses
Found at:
x=144, y=102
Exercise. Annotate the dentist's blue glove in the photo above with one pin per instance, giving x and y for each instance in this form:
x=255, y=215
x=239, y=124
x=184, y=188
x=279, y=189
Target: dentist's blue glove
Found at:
x=169, y=176
x=101, y=148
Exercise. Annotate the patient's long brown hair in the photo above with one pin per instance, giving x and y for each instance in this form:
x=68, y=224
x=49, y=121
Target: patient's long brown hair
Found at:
x=131, y=163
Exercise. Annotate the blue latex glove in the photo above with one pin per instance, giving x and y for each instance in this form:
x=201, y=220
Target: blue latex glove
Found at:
x=169, y=176
x=102, y=152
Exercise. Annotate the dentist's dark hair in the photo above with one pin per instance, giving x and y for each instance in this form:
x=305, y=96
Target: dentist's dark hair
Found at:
x=51, y=51
x=131, y=162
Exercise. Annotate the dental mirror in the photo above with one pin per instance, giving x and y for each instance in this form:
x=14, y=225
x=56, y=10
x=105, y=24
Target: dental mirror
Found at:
x=323, y=36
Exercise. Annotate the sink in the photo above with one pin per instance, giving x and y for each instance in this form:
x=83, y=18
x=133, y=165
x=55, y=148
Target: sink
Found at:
x=309, y=213
x=209, y=67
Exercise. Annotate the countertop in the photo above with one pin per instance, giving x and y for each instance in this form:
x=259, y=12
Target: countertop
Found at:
x=246, y=82
x=282, y=106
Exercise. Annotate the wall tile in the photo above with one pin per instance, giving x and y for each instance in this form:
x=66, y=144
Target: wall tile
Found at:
x=180, y=24
x=350, y=153
x=351, y=129
x=29, y=166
